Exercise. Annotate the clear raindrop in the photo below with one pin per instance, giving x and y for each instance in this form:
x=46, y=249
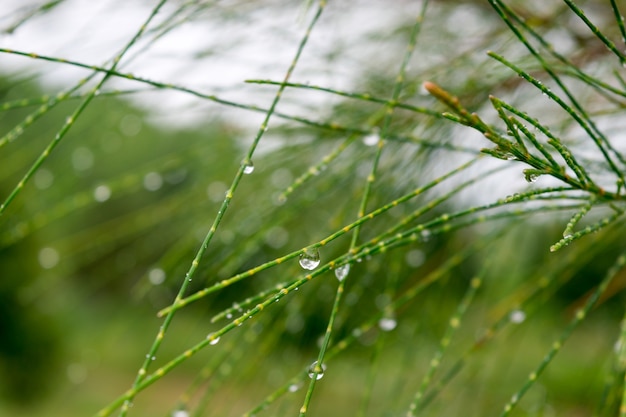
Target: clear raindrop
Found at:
x=294, y=387
x=248, y=167
x=530, y=175
x=342, y=272
x=214, y=341
x=315, y=369
x=310, y=259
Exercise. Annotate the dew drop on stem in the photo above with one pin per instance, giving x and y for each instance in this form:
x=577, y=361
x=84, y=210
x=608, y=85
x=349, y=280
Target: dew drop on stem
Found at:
x=248, y=167
x=342, y=272
x=310, y=259
x=530, y=175
x=316, y=371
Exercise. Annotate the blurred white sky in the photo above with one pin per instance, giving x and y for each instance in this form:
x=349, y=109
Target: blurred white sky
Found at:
x=213, y=50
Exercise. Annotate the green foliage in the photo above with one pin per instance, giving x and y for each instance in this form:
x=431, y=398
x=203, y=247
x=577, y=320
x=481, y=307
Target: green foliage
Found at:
x=443, y=239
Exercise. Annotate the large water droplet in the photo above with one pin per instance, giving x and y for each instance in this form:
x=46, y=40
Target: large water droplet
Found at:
x=315, y=369
x=214, y=341
x=530, y=175
x=310, y=259
x=387, y=324
x=248, y=167
x=342, y=272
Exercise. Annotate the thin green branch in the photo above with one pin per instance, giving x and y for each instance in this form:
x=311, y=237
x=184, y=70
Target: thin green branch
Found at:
x=580, y=315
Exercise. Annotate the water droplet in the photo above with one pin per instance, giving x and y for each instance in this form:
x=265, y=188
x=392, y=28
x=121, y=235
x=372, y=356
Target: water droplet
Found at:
x=293, y=387
x=531, y=175
x=425, y=234
x=248, y=167
x=214, y=341
x=517, y=316
x=315, y=369
x=180, y=413
x=511, y=198
x=229, y=316
x=371, y=139
x=342, y=272
x=499, y=153
x=387, y=324
x=310, y=259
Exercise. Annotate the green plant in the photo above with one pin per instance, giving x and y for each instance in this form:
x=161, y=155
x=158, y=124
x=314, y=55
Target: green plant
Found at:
x=376, y=240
